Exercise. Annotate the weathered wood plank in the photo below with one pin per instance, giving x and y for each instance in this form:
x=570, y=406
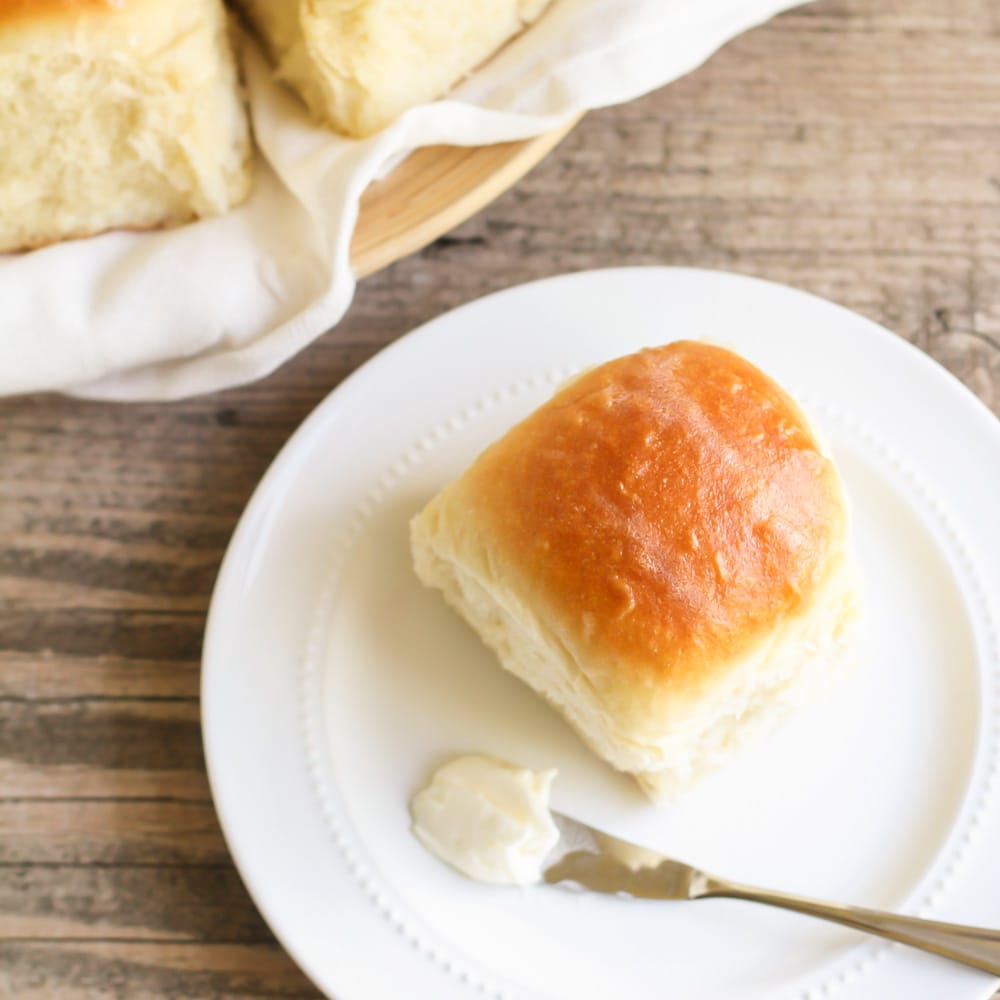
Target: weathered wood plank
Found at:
x=158, y=568
x=79, y=781
x=157, y=634
x=897, y=17
x=135, y=735
x=115, y=832
x=129, y=970
x=157, y=902
x=47, y=675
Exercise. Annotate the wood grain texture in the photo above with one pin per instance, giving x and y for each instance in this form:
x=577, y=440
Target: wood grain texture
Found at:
x=849, y=148
x=435, y=189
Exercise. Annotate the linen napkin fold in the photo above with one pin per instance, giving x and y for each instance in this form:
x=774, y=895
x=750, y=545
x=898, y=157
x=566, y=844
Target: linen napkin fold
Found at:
x=224, y=301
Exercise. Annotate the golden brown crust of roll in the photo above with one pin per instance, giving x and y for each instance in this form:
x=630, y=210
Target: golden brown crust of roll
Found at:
x=22, y=10
x=670, y=506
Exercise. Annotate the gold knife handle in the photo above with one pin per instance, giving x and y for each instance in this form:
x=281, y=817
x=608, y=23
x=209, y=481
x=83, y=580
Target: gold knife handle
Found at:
x=975, y=946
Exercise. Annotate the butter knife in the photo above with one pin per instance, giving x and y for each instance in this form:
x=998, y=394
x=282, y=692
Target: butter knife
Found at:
x=590, y=859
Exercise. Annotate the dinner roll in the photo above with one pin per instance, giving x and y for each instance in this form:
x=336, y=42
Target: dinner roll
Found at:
x=661, y=550
x=358, y=64
x=116, y=113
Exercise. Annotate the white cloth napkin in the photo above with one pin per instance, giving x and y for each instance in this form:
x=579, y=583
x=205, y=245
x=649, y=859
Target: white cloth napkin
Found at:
x=220, y=302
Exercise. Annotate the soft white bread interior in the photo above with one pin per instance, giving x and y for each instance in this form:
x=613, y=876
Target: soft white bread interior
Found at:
x=358, y=64
x=662, y=551
x=116, y=114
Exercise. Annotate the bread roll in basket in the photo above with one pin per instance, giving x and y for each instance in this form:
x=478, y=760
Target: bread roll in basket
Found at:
x=116, y=114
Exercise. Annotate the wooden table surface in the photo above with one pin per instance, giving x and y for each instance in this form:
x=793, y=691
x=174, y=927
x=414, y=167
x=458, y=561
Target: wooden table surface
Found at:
x=850, y=148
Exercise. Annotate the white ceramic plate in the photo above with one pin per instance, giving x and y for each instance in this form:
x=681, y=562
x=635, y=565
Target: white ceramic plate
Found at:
x=333, y=683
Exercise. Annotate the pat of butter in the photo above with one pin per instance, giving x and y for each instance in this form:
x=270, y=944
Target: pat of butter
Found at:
x=487, y=818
